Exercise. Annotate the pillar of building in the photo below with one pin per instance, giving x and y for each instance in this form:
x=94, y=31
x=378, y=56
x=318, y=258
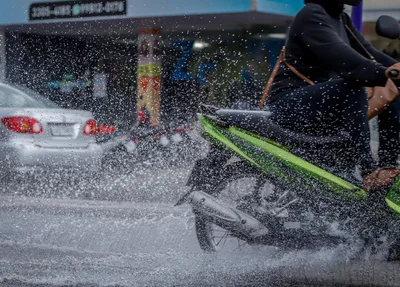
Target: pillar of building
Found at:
x=149, y=75
x=357, y=16
x=2, y=55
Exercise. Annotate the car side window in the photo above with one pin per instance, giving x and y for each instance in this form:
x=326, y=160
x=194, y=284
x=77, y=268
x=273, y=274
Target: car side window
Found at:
x=17, y=100
x=10, y=98
x=3, y=99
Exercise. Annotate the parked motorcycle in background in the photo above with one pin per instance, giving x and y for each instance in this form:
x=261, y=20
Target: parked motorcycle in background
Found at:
x=170, y=144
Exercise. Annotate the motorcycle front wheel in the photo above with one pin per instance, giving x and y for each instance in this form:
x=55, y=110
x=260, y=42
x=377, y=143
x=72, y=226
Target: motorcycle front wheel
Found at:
x=239, y=189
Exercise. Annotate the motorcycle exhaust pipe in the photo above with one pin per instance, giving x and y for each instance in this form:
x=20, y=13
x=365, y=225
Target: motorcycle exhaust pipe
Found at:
x=226, y=217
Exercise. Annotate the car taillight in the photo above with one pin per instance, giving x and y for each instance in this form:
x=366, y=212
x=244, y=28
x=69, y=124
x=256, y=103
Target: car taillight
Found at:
x=23, y=125
x=90, y=128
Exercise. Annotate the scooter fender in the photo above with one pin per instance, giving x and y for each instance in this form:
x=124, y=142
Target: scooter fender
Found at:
x=224, y=216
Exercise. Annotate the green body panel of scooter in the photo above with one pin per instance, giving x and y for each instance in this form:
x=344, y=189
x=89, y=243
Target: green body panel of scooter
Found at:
x=276, y=160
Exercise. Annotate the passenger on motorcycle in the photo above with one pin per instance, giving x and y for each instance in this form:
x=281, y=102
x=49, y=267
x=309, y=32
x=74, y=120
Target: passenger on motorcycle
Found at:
x=321, y=48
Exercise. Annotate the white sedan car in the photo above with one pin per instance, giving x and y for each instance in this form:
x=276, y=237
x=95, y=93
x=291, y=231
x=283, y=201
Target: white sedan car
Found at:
x=36, y=133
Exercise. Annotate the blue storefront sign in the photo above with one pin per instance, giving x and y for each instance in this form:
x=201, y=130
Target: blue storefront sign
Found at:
x=26, y=11
x=282, y=7
x=76, y=9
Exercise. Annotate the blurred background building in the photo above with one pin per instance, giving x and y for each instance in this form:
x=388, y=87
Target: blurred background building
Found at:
x=372, y=11
x=85, y=54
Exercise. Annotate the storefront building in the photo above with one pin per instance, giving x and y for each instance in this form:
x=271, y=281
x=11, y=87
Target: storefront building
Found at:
x=372, y=11
x=92, y=54
x=86, y=53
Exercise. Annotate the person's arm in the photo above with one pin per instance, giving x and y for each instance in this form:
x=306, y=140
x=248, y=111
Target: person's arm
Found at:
x=325, y=43
x=379, y=56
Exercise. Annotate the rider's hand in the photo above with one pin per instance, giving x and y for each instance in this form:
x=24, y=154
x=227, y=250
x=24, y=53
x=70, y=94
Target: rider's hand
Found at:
x=395, y=67
x=380, y=179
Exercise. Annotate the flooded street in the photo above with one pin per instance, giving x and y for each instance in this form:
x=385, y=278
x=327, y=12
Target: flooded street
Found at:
x=273, y=125
x=60, y=238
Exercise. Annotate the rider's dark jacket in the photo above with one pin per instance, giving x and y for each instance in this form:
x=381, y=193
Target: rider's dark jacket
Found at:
x=320, y=47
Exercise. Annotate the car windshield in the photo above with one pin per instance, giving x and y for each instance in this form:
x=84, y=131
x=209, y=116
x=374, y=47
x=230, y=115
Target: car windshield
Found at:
x=22, y=97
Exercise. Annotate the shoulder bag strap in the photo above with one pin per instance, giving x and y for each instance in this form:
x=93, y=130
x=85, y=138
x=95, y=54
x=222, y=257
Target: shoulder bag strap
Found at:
x=300, y=75
x=272, y=77
x=282, y=58
x=359, y=42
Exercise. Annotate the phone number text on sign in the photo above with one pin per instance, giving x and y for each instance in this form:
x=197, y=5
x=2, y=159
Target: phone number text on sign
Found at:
x=73, y=9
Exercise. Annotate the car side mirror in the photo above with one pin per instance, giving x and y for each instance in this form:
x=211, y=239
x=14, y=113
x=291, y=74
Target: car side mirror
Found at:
x=388, y=27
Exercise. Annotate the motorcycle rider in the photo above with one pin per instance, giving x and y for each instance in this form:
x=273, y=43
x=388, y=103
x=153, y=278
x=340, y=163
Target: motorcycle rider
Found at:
x=320, y=48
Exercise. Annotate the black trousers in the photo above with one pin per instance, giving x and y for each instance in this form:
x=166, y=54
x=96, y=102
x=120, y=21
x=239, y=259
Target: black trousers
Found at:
x=337, y=106
x=389, y=130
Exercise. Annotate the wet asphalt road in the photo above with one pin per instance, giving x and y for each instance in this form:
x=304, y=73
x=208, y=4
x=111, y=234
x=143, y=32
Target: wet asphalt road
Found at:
x=122, y=230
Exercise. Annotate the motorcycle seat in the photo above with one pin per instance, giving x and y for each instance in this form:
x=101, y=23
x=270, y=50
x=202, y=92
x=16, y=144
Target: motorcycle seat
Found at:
x=259, y=122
